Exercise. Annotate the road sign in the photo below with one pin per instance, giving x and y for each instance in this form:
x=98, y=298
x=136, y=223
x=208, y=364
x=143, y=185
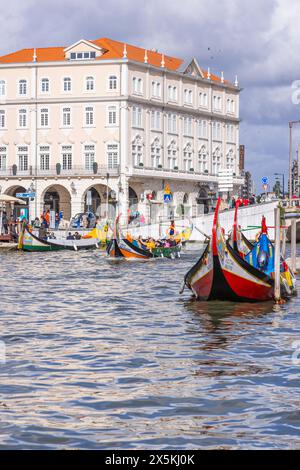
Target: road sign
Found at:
x=265, y=180
x=225, y=180
x=25, y=195
x=167, y=198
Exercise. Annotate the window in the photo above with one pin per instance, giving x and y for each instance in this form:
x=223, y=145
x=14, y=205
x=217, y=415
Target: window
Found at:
x=216, y=161
x=112, y=82
x=3, y=158
x=155, y=153
x=45, y=85
x=172, y=93
x=112, y=115
x=187, y=157
x=89, y=156
x=137, y=151
x=67, y=157
x=202, y=159
x=202, y=129
x=2, y=119
x=22, y=118
x=172, y=123
x=217, y=103
x=89, y=83
x=188, y=126
x=230, y=160
x=2, y=88
x=44, y=157
x=203, y=99
x=23, y=158
x=67, y=84
x=188, y=96
x=230, y=132
x=156, y=89
x=44, y=117
x=22, y=87
x=216, y=131
x=89, y=116
x=137, y=85
x=136, y=116
x=66, y=117
x=112, y=155
x=156, y=120
x=83, y=55
x=172, y=155
x=230, y=106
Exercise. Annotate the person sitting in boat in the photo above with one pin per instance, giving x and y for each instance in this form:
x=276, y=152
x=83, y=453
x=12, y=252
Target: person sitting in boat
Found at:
x=43, y=233
x=77, y=236
x=150, y=244
x=70, y=236
x=172, y=241
x=167, y=243
x=51, y=236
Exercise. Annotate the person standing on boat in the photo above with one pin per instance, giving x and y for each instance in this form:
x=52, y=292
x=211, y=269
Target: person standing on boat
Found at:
x=172, y=228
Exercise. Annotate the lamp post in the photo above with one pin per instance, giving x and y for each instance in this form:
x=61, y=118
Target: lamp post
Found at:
x=281, y=174
x=291, y=123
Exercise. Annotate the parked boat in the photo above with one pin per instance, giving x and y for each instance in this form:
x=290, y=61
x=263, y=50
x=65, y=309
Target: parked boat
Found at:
x=222, y=274
x=28, y=241
x=122, y=247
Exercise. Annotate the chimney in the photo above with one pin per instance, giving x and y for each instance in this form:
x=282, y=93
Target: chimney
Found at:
x=34, y=58
x=208, y=73
x=146, y=57
x=222, y=77
x=124, y=52
x=162, y=64
x=236, y=82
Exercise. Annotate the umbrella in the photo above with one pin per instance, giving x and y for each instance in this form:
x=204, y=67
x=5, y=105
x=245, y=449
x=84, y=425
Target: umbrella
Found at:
x=7, y=198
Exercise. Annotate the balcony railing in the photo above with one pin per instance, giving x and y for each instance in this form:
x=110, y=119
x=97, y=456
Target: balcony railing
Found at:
x=101, y=170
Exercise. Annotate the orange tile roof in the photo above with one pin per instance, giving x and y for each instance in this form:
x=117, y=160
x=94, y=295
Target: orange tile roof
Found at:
x=112, y=50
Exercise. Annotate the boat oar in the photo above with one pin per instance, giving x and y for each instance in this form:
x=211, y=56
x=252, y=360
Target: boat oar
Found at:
x=182, y=287
x=202, y=233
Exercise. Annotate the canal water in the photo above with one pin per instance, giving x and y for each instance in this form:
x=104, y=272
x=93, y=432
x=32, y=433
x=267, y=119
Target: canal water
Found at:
x=107, y=354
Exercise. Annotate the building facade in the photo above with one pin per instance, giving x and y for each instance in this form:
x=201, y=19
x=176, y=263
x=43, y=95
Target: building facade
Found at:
x=105, y=126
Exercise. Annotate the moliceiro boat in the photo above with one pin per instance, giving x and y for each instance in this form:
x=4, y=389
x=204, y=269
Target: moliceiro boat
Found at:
x=124, y=247
x=28, y=241
x=223, y=272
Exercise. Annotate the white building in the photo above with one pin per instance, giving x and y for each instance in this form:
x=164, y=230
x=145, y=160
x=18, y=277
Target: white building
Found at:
x=101, y=121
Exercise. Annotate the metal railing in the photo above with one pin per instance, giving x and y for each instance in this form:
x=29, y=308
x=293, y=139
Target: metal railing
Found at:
x=101, y=170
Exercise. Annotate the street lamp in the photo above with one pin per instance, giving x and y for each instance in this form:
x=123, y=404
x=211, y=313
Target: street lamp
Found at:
x=281, y=174
x=291, y=123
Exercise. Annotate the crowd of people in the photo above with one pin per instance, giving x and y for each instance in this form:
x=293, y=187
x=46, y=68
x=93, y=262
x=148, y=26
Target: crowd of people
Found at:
x=239, y=202
x=150, y=243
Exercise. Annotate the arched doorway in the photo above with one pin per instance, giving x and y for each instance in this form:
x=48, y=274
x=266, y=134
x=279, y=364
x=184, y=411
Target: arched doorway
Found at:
x=203, y=201
x=19, y=210
x=57, y=198
x=133, y=213
x=92, y=201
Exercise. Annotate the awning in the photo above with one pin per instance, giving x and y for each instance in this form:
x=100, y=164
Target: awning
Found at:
x=7, y=198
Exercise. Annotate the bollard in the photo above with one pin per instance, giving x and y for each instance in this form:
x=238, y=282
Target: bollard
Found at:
x=293, y=246
x=283, y=249
x=277, y=255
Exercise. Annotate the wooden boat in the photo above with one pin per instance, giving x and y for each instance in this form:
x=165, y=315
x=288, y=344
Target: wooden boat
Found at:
x=28, y=241
x=121, y=247
x=222, y=274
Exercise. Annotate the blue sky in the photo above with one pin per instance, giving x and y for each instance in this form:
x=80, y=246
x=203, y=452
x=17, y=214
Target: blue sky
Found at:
x=258, y=40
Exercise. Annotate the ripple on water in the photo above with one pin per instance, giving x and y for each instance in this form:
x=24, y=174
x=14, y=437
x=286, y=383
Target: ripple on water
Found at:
x=108, y=355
